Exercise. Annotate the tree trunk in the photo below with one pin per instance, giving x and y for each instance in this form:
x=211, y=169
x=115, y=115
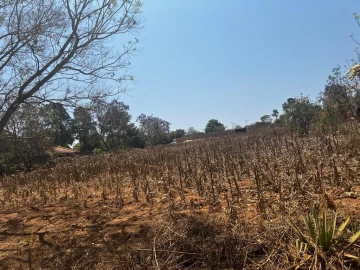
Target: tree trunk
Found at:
x=6, y=117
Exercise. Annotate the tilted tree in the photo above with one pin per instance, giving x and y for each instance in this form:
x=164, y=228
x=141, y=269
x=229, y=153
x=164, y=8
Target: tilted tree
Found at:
x=60, y=50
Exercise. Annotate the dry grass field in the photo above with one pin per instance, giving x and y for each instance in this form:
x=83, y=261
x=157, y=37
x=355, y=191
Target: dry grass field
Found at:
x=222, y=203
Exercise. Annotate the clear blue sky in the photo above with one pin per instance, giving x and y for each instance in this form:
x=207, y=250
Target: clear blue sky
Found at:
x=236, y=60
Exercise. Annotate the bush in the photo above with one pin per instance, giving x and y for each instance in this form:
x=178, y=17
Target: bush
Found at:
x=97, y=151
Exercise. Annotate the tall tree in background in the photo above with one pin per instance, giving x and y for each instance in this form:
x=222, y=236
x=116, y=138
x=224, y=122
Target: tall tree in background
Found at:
x=25, y=123
x=191, y=131
x=275, y=114
x=59, y=51
x=266, y=118
x=25, y=139
x=156, y=130
x=177, y=134
x=338, y=97
x=58, y=123
x=86, y=130
x=113, y=121
x=300, y=113
x=214, y=126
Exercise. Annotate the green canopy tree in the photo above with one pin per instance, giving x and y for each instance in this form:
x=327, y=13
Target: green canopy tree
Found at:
x=275, y=114
x=85, y=129
x=154, y=129
x=338, y=96
x=177, y=134
x=113, y=122
x=214, y=126
x=24, y=141
x=266, y=118
x=58, y=124
x=300, y=113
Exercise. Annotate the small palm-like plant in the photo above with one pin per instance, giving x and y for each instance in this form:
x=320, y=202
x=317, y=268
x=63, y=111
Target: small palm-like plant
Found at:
x=320, y=235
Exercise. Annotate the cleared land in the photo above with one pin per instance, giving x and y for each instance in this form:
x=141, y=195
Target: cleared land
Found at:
x=218, y=203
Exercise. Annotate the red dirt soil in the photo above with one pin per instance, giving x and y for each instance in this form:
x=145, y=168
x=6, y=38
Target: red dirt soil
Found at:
x=75, y=226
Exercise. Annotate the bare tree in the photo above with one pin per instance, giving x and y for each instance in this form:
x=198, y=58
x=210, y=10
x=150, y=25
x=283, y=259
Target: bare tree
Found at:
x=60, y=50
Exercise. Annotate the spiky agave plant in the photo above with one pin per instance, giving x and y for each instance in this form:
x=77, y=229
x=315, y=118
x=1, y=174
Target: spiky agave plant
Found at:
x=320, y=235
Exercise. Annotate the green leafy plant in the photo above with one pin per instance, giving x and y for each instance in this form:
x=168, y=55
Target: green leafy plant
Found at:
x=322, y=236
x=97, y=151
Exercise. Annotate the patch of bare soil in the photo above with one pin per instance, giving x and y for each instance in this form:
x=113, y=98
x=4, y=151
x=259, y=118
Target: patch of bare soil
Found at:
x=221, y=204
x=94, y=233
x=98, y=233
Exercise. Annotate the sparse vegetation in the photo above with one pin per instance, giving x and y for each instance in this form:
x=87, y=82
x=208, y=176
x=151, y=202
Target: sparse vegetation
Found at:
x=323, y=240
x=214, y=199
x=216, y=203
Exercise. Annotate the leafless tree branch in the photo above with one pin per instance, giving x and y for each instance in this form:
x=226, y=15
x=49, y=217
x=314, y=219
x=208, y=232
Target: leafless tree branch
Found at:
x=51, y=49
